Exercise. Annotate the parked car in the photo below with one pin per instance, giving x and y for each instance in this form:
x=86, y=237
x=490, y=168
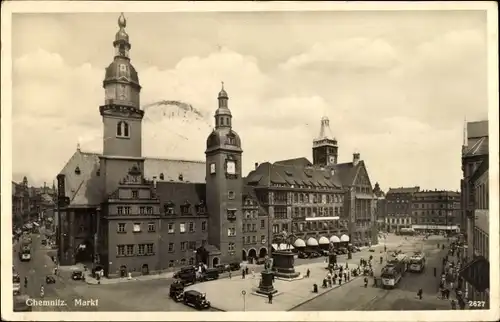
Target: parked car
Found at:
x=222, y=268
x=324, y=252
x=49, y=279
x=185, y=270
x=77, y=276
x=210, y=274
x=343, y=250
x=313, y=254
x=196, y=299
x=176, y=291
x=302, y=255
x=234, y=266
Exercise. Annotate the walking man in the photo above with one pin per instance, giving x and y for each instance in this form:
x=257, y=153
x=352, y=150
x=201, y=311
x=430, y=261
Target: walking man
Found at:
x=270, y=298
x=308, y=273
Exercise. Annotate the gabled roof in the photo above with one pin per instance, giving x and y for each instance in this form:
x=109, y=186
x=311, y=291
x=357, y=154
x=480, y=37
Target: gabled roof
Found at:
x=347, y=172
x=279, y=173
x=249, y=191
x=86, y=188
x=480, y=147
x=403, y=190
x=181, y=192
x=483, y=167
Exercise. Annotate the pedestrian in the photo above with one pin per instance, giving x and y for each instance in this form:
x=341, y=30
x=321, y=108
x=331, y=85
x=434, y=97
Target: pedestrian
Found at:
x=419, y=293
x=308, y=273
x=348, y=276
x=447, y=293
x=443, y=294
x=366, y=282
x=246, y=270
x=360, y=262
x=324, y=283
x=453, y=305
x=253, y=273
x=230, y=274
x=340, y=281
x=243, y=274
x=345, y=277
x=270, y=298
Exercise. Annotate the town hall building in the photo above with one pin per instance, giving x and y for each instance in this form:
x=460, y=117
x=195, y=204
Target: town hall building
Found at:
x=131, y=214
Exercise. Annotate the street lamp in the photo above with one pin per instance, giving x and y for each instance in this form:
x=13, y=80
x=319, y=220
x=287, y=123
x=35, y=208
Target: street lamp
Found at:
x=244, y=299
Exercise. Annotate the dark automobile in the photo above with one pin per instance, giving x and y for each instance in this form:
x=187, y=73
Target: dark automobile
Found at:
x=343, y=250
x=49, y=279
x=234, y=266
x=222, y=268
x=176, y=291
x=77, y=275
x=44, y=242
x=313, y=254
x=324, y=252
x=302, y=255
x=196, y=299
x=185, y=270
x=210, y=274
x=371, y=250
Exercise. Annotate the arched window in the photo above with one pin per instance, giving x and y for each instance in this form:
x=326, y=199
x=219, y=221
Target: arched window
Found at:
x=122, y=129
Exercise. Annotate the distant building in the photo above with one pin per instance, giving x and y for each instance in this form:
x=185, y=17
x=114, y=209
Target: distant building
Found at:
x=399, y=208
x=381, y=207
x=436, y=210
x=20, y=202
x=475, y=200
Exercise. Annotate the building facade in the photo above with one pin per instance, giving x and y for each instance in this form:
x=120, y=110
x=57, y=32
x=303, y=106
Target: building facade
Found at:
x=399, y=208
x=436, y=210
x=475, y=200
x=380, y=208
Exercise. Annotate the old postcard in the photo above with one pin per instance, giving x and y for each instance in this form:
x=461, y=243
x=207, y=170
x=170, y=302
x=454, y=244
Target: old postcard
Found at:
x=250, y=161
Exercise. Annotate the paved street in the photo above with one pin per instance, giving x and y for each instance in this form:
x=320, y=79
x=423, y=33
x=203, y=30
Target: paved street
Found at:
x=355, y=297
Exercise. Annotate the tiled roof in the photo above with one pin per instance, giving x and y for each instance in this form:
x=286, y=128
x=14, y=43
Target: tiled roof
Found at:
x=297, y=162
x=483, y=167
x=85, y=189
x=250, y=192
x=277, y=173
x=403, y=190
x=179, y=193
x=480, y=147
x=347, y=172
x=477, y=129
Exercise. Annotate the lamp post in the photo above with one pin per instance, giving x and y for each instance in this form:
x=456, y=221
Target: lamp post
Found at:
x=244, y=293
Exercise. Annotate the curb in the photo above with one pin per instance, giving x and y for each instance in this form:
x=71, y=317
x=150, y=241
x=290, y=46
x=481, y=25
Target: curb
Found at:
x=321, y=294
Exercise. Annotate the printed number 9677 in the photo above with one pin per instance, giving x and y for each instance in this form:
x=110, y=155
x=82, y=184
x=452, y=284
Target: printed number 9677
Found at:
x=477, y=303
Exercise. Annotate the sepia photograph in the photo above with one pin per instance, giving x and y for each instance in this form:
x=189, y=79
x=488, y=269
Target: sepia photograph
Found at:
x=250, y=161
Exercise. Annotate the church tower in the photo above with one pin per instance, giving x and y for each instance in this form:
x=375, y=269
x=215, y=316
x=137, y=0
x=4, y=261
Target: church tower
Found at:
x=121, y=114
x=224, y=184
x=325, y=149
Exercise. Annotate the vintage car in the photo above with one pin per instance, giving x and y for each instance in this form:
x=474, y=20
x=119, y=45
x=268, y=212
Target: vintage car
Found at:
x=49, y=279
x=210, y=274
x=77, y=276
x=176, y=291
x=196, y=299
x=222, y=268
x=185, y=270
x=234, y=266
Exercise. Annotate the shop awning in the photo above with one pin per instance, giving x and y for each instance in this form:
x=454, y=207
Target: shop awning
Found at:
x=323, y=241
x=275, y=246
x=334, y=239
x=285, y=247
x=312, y=242
x=299, y=243
x=344, y=238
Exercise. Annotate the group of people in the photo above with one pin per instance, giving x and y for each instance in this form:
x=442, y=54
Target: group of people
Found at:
x=450, y=279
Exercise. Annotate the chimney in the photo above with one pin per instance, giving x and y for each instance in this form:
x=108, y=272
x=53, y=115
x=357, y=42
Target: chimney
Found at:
x=256, y=165
x=181, y=177
x=355, y=159
x=44, y=187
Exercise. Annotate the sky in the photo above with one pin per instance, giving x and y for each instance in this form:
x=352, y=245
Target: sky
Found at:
x=396, y=85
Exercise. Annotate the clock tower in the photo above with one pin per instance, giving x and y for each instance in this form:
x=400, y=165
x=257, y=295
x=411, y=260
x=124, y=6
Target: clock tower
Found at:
x=224, y=184
x=325, y=148
x=121, y=115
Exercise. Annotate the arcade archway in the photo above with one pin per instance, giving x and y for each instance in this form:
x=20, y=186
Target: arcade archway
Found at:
x=215, y=261
x=243, y=255
x=262, y=252
x=252, y=253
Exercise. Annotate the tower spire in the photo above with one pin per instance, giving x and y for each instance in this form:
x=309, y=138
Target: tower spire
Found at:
x=325, y=149
x=465, y=139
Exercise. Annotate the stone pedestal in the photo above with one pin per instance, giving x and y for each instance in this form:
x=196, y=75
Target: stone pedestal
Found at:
x=283, y=265
x=266, y=284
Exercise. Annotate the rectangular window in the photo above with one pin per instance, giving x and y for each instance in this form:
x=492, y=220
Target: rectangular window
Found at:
x=203, y=225
x=254, y=239
x=150, y=210
x=262, y=223
x=191, y=227
x=182, y=228
x=262, y=239
x=127, y=210
x=120, y=250
x=137, y=228
x=183, y=246
x=141, y=210
x=121, y=228
x=192, y=245
x=171, y=228
x=231, y=214
x=254, y=227
x=120, y=210
x=151, y=227
x=150, y=249
x=231, y=247
x=170, y=247
x=135, y=194
x=130, y=250
x=142, y=249
x=231, y=231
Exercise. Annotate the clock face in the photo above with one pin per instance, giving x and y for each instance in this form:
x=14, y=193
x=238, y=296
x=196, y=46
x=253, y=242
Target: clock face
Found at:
x=231, y=167
x=212, y=168
x=332, y=159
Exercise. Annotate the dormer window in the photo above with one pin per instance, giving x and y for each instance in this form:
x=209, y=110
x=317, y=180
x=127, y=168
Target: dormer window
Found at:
x=181, y=177
x=231, y=139
x=77, y=170
x=201, y=208
x=162, y=177
x=169, y=208
x=122, y=129
x=185, y=208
